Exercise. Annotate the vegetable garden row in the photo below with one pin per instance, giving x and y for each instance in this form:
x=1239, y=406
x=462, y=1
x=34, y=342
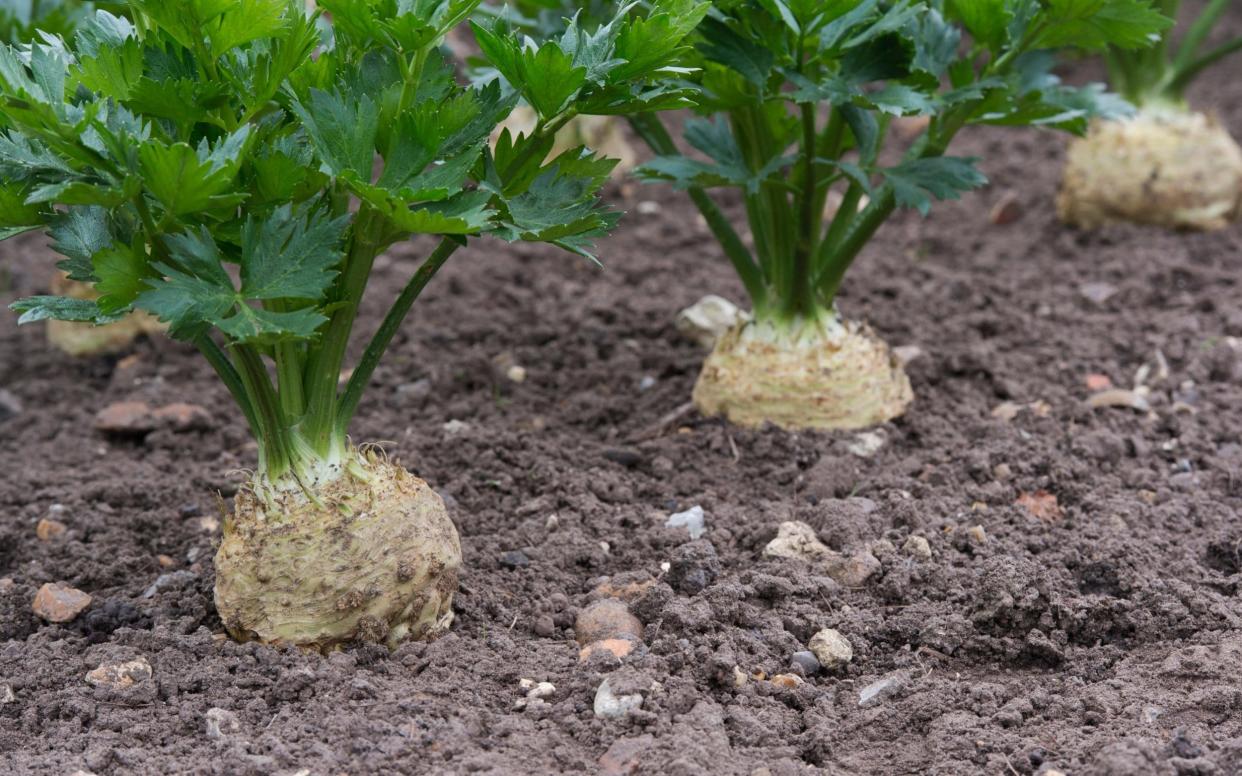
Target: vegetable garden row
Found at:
x=234, y=174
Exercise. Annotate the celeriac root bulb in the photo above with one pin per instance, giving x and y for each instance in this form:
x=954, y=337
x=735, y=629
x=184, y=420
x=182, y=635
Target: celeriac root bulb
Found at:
x=838, y=375
x=1165, y=167
x=604, y=135
x=85, y=339
x=376, y=560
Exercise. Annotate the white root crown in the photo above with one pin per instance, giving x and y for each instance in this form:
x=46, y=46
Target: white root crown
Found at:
x=1166, y=167
x=836, y=375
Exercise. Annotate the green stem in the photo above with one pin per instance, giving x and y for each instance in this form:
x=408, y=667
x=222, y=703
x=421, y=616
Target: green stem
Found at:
x=801, y=303
x=323, y=368
x=272, y=436
x=1182, y=75
x=1198, y=33
x=361, y=375
x=651, y=129
x=230, y=377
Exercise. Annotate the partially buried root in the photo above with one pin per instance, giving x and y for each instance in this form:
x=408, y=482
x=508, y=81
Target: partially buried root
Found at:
x=1170, y=168
x=375, y=560
x=838, y=375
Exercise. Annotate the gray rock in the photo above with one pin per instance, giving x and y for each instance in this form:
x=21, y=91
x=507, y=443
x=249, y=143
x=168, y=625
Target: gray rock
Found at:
x=693, y=520
x=514, y=559
x=169, y=581
x=831, y=649
x=221, y=723
x=804, y=663
x=608, y=705
x=883, y=689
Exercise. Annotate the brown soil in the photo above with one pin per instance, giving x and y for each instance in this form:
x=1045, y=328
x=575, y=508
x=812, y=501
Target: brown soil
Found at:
x=1102, y=638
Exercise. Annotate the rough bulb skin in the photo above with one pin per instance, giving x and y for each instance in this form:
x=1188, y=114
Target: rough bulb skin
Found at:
x=840, y=376
x=1170, y=168
x=602, y=134
x=376, y=560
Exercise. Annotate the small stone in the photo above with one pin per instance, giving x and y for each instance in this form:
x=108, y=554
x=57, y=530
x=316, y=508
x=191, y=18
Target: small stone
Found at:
x=693, y=520
x=1041, y=505
x=611, y=706
x=545, y=626
x=855, y=570
x=795, y=539
x=647, y=207
x=10, y=406
x=788, y=681
x=1006, y=210
x=171, y=580
x=7, y=695
x=47, y=529
x=917, y=547
x=707, y=319
x=56, y=602
x=222, y=723
x=618, y=648
x=882, y=689
x=1119, y=397
x=804, y=663
x=977, y=534
x=418, y=390
x=455, y=427
x=907, y=353
x=1097, y=292
x=1002, y=472
x=165, y=561
x=119, y=676
x=180, y=416
x=606, y=619
x=867, y=444
x=541, y=690
x=624, y=456
x=1098, y=382
x=831, y=649
x=740, y=677
x=514, y=559
x=646, y=383
x=125, y=417
x=694, y=567
x=516, y=374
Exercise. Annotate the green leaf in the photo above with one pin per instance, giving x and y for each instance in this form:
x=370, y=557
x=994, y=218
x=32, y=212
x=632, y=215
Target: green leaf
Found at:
x=286, y=256
x=987, y=20
x=1096, y=24
x=78, y=234
x=343, y=130
x=181, y=182
x=915, y=183
x=60, y=308
x=122, y=271
x=257, y=326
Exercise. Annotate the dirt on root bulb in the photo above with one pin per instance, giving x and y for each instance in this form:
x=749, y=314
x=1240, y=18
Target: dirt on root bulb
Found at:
x=1100, y=637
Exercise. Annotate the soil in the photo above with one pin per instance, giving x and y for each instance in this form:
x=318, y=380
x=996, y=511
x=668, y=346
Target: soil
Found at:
x=1100, y=634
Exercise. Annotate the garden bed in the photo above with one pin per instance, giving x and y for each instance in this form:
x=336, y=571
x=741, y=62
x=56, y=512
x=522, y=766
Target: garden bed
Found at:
x=1100, y=634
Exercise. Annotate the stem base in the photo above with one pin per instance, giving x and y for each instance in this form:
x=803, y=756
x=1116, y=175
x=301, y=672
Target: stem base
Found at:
x=830, y=375
x=376, y=559
x=1168, y=168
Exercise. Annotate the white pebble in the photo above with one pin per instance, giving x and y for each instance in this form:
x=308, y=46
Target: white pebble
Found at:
x=693, y=520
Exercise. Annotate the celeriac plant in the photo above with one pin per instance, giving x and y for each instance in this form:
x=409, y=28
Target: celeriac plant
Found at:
x=234, y=167
x=1168, y=164
x=799, y=97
